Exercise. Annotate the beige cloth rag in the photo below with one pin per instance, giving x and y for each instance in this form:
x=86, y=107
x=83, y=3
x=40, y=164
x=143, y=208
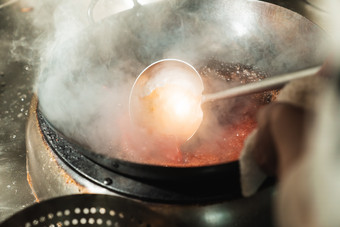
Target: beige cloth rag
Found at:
x=302, y=93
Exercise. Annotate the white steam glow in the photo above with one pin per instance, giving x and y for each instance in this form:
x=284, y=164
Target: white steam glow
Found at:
x=106, y=8
x=173, y=111
x=181, y=104
x=240, y=29
x=86, y=71
x=144, y=2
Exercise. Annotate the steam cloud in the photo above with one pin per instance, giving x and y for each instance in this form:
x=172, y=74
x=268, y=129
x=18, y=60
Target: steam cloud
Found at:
x=86, y=71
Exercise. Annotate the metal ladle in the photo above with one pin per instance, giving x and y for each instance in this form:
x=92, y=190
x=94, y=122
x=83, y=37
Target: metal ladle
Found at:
x=177, y=73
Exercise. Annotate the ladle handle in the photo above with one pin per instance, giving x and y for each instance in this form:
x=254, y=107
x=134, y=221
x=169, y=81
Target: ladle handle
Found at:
x=267, y=84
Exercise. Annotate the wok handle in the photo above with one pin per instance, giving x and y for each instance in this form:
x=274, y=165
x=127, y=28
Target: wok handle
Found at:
x=93, y=4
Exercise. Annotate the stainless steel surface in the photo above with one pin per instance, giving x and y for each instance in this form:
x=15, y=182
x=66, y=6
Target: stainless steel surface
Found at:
x=56, y=178
x=16, y=80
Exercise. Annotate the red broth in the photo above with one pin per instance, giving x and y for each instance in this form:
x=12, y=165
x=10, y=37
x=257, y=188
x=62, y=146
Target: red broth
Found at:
x=217, y=141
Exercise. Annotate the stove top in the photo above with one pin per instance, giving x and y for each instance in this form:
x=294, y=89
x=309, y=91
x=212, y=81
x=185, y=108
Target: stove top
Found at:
x=16, y=79
x=175, y=191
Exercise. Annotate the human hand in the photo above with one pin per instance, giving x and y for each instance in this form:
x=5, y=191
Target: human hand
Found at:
x=281, y=137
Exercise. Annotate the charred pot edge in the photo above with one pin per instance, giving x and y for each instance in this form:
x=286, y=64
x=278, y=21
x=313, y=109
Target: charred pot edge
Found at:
x=48, y=176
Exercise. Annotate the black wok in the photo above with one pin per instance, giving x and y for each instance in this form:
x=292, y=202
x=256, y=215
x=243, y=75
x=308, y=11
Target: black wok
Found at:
x=273, y=39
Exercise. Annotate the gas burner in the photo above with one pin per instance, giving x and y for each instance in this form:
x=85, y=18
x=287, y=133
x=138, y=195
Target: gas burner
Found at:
x=152, y=190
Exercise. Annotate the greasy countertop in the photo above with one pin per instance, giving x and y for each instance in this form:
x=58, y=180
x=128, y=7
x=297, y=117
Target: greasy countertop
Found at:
x=16, y=88
x=16, y=79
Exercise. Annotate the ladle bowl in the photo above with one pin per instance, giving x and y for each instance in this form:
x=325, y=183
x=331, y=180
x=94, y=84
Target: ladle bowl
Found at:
x=166, y=99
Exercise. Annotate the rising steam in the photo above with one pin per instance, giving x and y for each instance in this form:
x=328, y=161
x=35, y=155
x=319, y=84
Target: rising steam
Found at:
x=86, y=71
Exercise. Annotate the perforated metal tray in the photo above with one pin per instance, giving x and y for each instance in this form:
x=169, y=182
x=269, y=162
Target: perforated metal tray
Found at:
x=87, y=210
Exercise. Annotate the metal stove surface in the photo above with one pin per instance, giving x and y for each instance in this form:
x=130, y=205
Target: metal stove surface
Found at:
x=16, y=85
x=16, y=79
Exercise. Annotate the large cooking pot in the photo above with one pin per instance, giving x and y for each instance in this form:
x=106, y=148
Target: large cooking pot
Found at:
x=105, y=58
